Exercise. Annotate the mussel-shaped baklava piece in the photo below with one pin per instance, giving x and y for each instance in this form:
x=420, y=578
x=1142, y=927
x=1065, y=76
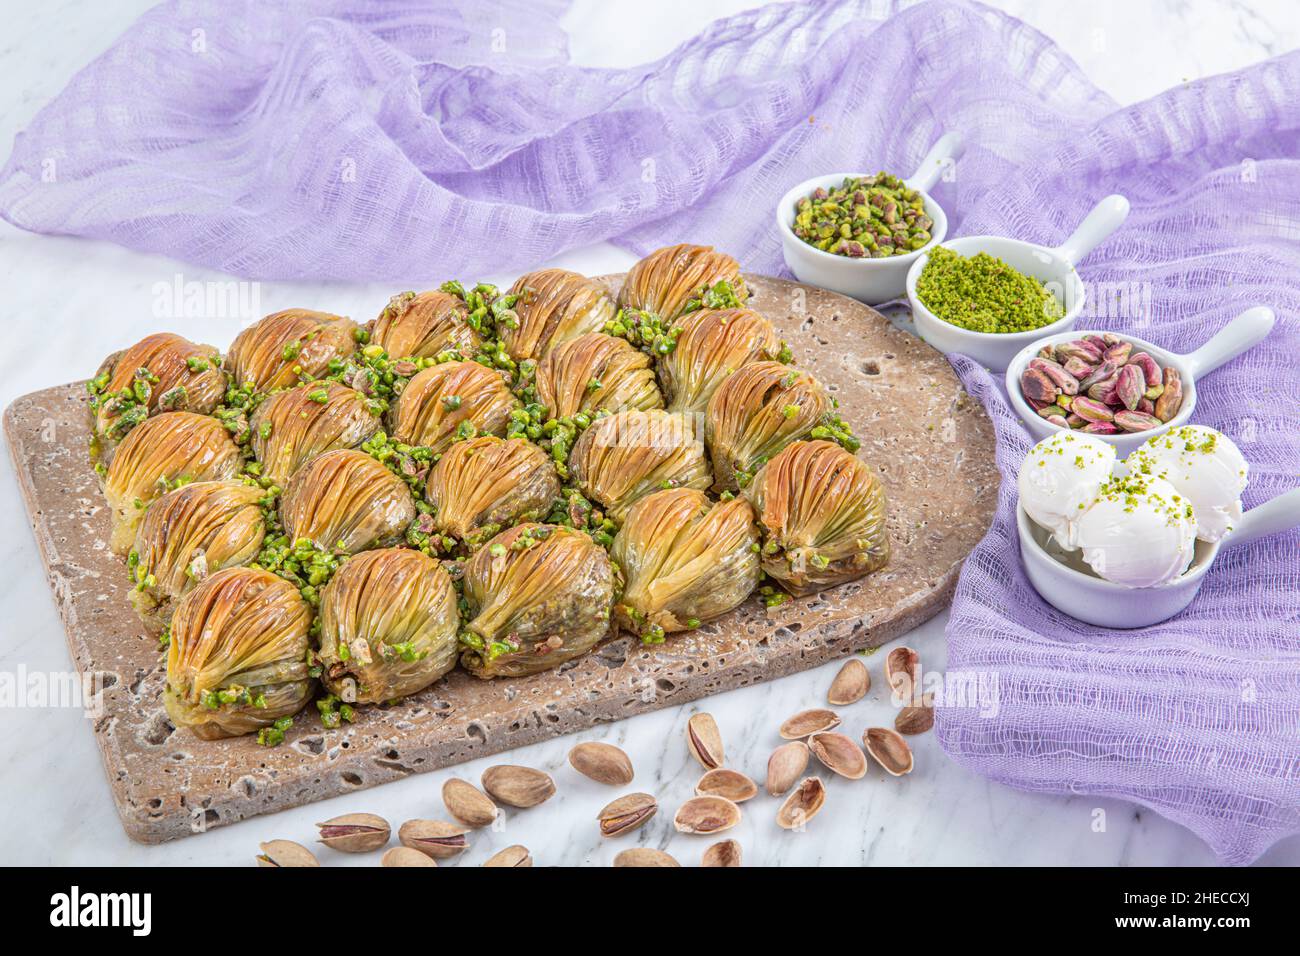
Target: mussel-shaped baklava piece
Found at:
x=237, y=660
x=170, y=449
x=684, y=561
x=160, y=373
x=538, y=595
x=452, y=400
x=710, y=345
x=423, y=325
x=388, y=626
x=755, y=413
x=678, y=279
x=189, y=534
x=623, y=457
x=596, y=373
x=554, y=306
x=822, y=515
x=346, y=501
x=292, y=427
x=485, y=484
x=289, y=347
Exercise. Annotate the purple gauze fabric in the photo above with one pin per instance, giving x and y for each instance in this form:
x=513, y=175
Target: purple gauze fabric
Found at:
x=344, y=141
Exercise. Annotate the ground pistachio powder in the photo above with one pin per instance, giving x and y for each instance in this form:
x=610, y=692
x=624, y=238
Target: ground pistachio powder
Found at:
x=984, y=294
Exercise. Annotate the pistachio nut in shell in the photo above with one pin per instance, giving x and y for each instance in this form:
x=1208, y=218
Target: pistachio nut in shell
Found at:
x=785, y=766
x=435, y=838
x=405, y=856
x=706, y=815
x=889, y=749
x=729, y=784
x=626, y=814
x=468, y=804
x=521, y=787
x=354, y=832
x=602, y=762
x=850, y=684
x=839, y=754
x=804, y=803
x=280, y=853
x=704, y=741
x=513, y=856
x=644, y=856
x=808, y=722
x=722, y=853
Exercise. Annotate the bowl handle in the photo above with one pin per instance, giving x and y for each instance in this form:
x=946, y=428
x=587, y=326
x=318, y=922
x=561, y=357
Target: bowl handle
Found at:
x=947, y=148
x=1245, y=331
x=1107, y=216
x=1272, y=517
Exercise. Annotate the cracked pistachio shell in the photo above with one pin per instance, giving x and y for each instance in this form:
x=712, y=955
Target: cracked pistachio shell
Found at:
x=405, y=856
x=516, y=857
x=596, y=373
x=706, y=815
x=808, y=722
x=903, y=672
x=555, y=306
x=822, y=513
x=354, y=832
x=346, y=500
x=292, y=427
x=285, y=853
x=623, y=457
x=755, y=413
x=482, y=485
x=423, y=324
x=276, y=351
x=723, y=853
x=850, y=684
x=189, y=533
x=839, y=754
x=731, y=784
x=785, y=766
x=442, y=398
x=171, y=448
x=711, y=345
x=644, y=856
x=179, y=388
x=244, y=633
x=685, y=560
x=804, y=803
x=666, y=280
x=434, y=838
x=889, y=749
x=388, y=626
x=537, y=595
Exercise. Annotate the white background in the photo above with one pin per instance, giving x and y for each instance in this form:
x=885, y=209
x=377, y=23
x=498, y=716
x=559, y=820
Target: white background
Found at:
x=65, y=303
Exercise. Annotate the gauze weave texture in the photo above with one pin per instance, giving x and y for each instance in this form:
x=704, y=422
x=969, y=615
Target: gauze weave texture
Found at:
x=417, y=141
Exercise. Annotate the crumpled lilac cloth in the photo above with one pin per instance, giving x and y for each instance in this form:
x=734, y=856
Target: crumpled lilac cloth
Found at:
x=341, y=140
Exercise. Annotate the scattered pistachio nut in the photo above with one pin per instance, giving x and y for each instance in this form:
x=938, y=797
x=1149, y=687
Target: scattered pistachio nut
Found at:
x=706, y=815
x=468, y=804
x=644, y=856
x=722, y=853
x=435, y=838
x=730, y=784
x=889, y=749
x=521, y=787
x=804, y=803
x=515, y=856
x=839, y=754
x=283, y=853
x=626, y=814
x=785, y=766
x=850, y=684
x=705, y=740
x=405, y=856
x=355, y=832
x=602, y=762
x=808, y=722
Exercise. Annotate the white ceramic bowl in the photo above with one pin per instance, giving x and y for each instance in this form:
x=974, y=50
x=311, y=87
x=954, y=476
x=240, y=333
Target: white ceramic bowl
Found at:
x=1065, y=582
x=1054, y=267
x=1242, y=333
x=868, y=280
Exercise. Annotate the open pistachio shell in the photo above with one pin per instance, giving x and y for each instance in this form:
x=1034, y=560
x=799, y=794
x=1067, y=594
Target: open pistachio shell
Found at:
x=294, y=426
x=483, y=485
x=161, y=452
x=277, y=351
x=189, y=533
x=160, y=373
x=424, y=324
x=346, y=500
x=538, y=595
x=685, y=560
x=623, y=457
x=755, y=413
x=596, y=373
x=388, y=626
x=822, y=514
x=555, y=306
x=237, y=660
x=670, y=281
x=450, y=400
x=711, y=344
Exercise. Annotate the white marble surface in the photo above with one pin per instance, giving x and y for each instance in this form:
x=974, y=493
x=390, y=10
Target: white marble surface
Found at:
x=66, y=303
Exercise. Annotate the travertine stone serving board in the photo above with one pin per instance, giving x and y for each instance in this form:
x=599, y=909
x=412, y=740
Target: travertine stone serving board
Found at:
x=931, y=444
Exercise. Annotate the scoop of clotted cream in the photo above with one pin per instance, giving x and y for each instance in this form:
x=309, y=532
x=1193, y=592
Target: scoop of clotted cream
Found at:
x=1140, y=532
x=1205, y=466
x=1060, y=477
